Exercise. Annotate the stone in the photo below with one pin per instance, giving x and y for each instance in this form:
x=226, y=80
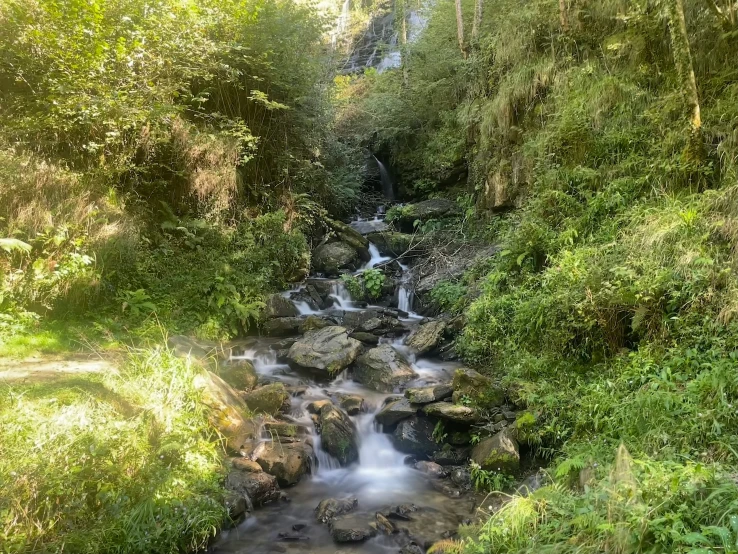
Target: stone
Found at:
x=431, y=469
x=461, y=477
x=268, y=399
x=338, y=434
x=412, y=548
x=313, y=322
x=329, y=350
x=282, y=326
x=240, y=374
x=332, y=507
x=277, y=305
x=477, y=387
x=258, y=488
x=382, y=369
x=352, y=237
x=285, y=429
x=287, y=462
x=394, y=244
x=354, y=320
x=436, y=208
x=227, y=411
x=459, y=438
x=351, y=403
x=384, y=525
x=453, y=412
x=351, y=528
x=395, y=411
x=426, y=395
x=498, y=453
x=316, y=405
x=245, y=464
x=366, y=338
x=329, y=259
x=236, y=505
x=426, y=337
x=450, y=456
x=447, y=489
x=415, y=436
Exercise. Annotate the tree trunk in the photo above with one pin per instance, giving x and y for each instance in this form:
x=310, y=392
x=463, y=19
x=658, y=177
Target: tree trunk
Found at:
x=460, y=27
x=683, y=59
x=403, y=42
x=563, y=16
x=478, y=8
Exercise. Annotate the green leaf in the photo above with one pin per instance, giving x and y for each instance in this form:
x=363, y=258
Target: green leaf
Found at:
x=10, y=245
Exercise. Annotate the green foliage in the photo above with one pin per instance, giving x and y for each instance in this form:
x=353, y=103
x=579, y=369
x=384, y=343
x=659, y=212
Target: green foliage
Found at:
x=71, y=448
x=448, y=296
x=353, y=285
x=489, y=481
x=367, y=285
x=439, y=432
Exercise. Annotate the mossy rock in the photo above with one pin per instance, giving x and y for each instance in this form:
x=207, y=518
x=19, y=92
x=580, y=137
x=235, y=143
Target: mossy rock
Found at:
x=476, y=387
x=498, y=453
x=268, y=399
x=338, y=435
x=240, y=374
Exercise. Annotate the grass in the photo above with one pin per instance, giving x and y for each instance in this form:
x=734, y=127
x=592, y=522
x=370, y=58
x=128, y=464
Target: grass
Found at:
x=115, y=463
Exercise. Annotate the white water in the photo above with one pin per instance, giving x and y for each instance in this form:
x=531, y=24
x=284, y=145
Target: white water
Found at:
x=376, y=257
x=388, y=188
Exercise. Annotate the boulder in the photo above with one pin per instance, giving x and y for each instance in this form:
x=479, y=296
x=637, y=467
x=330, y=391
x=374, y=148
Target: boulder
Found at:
x=449, y=456
x=431, y=469
x=352, y=403
x=282, y=326
x=331, y=258
x=415, y=436
x=279, y=306
x=285, y=429
x=245, y=464
x=240, y=374
x=287, y=462
x=352, y=237
x=426, y=210
x=498, y=453
x=227, y=411
x=236, y=506
x=316, y=405
x=313, y=322
x=257, y=488
x=453, y=412
x=329, y=349
x=426, y=337
x=395, y=411
x=461, y=477
x=332, y=507
x=390, y=243
x=426, y=395
x=338, y=435
x=382, y=369
x=355, y=320
x=366, y=338
x=268, y=399
x=477, y=387
x=351, y=528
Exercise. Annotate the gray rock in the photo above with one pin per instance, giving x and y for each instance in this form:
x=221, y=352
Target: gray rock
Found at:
x=351, y=237
x=338, y=435
x=426, y=210
x=395, y=411
x=426, y=395
x=382, y=369
x=431, y=469
x=477, y=387
x=426, y=337
x=498, y=453
x=366, y=338
x=258, y=488
x=313, y=322
x=329, y=349
x=453, y=412
x=332, y=507
x=279, y=306
x=287, y=462
x=240, y=374
x=449, y=456
x=236, y=505
x=331, y=258
x=461, y=477
x=351, y=528
x=316, y=405
x=268, y=399
x=282, y=326
x=351, y=403
x=415, y=436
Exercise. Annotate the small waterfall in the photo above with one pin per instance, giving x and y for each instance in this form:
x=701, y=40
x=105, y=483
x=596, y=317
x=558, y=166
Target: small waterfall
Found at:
x=342, y=23
x=405, y=298
x=376, y=257
x=341, y=297
x=387, y=185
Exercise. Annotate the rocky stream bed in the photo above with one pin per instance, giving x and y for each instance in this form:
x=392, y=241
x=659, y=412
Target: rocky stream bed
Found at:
x=364, y=433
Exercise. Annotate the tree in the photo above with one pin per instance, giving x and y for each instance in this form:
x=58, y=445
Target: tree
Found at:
x=683, y=59
x=726, y=14
x=563, y=17
x=460, y=27
x=478, y=9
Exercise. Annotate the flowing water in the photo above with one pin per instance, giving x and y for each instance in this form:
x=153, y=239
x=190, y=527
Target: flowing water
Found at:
x=379, y=479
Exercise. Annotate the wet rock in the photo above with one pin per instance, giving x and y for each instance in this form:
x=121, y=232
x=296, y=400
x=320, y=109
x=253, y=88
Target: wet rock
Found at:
x=313, y=322
x=426, y=210
x=426, y=525
x=285, y=429
x=236, y=506
x=477, y=387
x=279, y=306
x=459, y=438
x=415, y=436
x=227, y=411
x=450, y=456
x=392, y=243
x=366, y=338
x=395, y=411
x=431, y=469
x=370, y=325
x=426, y=395
x=352, y=528
x=245, y=464
x=282, y=326
x=351, y=237
x=446, y=489
x=268, y=399
x=292, y=537
x=296, y=390
x=331, y=258
x=426, y=337
x=338, y=435
x=332, y=507
x=299, y=526
x=258, y=488
x=315, y=406
x=354, y=320
x=498, y=453
x=453, y=412
x=402, y=512
x=461, y=477
x=412, y=548
x=287, y=462
x=382, y=369
x=384, y=525
x=240, y=374
x=329, y=349
x=352, y=403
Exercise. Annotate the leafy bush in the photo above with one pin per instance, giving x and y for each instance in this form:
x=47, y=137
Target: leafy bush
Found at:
x=367, y=285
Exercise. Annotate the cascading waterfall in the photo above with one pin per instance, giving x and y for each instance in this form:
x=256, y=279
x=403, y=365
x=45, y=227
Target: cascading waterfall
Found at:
x=388, y=188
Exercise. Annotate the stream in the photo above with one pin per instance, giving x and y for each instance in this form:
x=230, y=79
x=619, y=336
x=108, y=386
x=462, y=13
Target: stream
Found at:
x=383, y=480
